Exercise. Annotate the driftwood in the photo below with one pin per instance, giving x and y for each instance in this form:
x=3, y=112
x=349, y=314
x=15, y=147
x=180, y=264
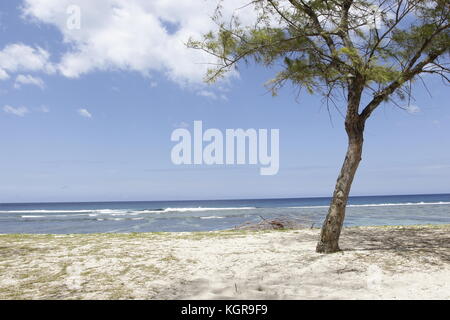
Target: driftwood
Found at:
x=280, y=223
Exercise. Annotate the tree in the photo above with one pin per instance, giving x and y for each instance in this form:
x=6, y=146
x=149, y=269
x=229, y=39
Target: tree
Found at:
x=367, y=51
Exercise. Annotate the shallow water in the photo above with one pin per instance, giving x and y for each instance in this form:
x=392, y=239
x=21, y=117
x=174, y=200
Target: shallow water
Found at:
x=62, y=218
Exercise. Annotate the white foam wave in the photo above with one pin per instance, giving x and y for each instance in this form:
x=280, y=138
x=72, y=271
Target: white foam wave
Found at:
x=212, y=217
x=35, y=214
x=118, y=219
x=45, y=211
x=102, y=211
x=32, y=217
x=119, y=212
x=380, y=205
x=200, y=209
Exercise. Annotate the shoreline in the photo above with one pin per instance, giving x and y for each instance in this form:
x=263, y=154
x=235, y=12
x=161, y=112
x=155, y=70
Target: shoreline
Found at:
x=381, y=262
x=236, y=229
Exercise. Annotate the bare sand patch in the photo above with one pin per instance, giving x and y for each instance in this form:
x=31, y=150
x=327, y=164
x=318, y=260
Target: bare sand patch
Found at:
x=376, y=263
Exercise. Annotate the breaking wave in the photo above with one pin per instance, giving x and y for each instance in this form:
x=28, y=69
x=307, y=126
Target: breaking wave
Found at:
x=380, y=205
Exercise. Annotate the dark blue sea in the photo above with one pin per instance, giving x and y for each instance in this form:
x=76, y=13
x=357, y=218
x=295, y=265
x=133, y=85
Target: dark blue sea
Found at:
x=100, y=217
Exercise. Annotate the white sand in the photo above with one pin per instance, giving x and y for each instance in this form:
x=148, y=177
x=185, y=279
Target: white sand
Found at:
x=377, y=263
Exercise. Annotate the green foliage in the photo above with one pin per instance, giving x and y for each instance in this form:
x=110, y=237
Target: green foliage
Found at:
x=327, y=45
x=381, y=74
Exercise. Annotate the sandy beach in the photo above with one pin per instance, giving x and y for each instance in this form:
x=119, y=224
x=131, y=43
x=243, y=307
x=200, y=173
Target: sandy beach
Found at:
x=376, y=263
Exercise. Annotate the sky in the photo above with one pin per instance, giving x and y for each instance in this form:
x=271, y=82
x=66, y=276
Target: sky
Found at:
x=86, y=114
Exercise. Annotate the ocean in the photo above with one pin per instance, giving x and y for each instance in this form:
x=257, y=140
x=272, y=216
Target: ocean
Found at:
x=208, y=215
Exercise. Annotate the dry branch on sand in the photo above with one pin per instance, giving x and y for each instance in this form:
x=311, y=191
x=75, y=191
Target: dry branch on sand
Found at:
x=280, y=223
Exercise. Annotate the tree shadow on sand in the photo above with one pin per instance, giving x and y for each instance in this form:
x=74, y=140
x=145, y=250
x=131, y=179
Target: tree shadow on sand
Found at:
x=428, y=241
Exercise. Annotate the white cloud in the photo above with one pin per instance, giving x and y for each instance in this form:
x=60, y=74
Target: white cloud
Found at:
x=3, y=75
x=207, y=94
x=28, y=79
x=135, y=35
x=211, y=95
x=84, y=113
x=19, y=111
x=44, y=109
x=412, y=109
x=19, y=57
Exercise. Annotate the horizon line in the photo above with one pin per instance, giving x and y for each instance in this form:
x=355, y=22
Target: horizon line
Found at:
x=223, y=199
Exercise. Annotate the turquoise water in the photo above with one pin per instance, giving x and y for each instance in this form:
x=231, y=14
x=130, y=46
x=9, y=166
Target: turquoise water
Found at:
x=99, y=217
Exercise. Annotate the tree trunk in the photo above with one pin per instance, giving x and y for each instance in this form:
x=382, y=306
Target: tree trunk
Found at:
x=331, y=229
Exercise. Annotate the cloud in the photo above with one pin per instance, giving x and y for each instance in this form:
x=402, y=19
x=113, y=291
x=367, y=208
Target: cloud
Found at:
x=207, y=94
x=211, y=95
x=412, y=109
x=19, y=111
x=135, y=35
x=19, y=57
x=28, y=79
x=84, y=113
x=44, y=109
x=3, y=75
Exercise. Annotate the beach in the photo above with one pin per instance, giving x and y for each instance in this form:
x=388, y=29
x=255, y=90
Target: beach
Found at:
x=376, y=263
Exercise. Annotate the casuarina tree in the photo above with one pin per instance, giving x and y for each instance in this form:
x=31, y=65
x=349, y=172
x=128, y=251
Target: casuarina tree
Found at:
x=368, y=52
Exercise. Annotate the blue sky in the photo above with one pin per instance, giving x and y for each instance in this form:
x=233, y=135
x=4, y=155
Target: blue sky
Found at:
x=134, y=96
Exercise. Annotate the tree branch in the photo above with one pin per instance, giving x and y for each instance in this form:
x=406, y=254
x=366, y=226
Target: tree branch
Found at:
x=407, y=76
x=303, y=7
